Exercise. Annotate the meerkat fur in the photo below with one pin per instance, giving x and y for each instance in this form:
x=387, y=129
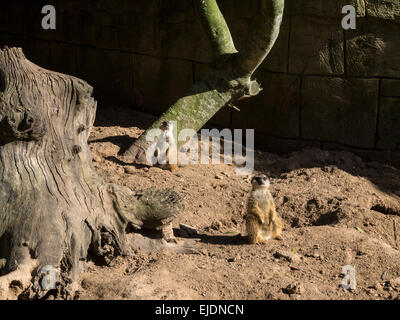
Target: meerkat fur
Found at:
x=262, y=221
x=166, y=147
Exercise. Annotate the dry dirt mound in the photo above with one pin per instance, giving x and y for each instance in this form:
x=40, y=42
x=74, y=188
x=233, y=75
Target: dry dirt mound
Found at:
x=337, y=210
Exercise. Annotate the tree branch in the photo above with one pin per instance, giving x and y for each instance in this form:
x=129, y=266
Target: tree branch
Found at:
x=264, y=34
x=216, y=28
x=228, y=80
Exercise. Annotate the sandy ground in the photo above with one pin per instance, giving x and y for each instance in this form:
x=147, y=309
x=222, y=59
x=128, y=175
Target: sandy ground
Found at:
x=337, y=210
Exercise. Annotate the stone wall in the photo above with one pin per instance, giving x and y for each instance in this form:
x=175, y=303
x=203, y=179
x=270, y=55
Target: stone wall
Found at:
x=323, y=86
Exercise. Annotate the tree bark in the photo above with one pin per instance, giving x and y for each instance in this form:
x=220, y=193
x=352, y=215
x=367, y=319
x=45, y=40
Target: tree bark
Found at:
x=230, y=77
x=54, y=208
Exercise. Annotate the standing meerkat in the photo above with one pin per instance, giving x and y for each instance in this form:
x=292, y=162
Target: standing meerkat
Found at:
x=262, y=221
x=166, y=147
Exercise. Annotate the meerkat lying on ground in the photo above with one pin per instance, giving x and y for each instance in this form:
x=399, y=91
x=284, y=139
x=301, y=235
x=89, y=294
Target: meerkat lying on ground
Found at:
x=166, y=147
x=262, y=221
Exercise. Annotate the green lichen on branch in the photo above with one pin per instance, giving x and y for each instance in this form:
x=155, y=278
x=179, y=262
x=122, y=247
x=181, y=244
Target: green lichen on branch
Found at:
x=216, y=28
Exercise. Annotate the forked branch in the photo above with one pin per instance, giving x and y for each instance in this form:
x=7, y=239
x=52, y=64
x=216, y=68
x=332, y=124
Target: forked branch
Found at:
x=230, y=77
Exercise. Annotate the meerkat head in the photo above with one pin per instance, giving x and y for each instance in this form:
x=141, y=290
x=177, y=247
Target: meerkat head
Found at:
x=260, y=181
x=166, y=126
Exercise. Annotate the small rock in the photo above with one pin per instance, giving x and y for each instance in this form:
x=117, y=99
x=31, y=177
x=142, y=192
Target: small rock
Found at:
x=395, y=283
x=361, y=253
x=263, y=275
x=218, y=177
x=216, y=225
x=296, y=288
x=387, y=286
x=188, y=229
x=129, y=170
x=145, y=169
x=288, y=256
x=376, y=286
x=313, y=255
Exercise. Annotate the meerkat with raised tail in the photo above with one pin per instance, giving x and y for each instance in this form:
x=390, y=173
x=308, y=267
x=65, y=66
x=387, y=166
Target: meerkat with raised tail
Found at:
x=262, y=221
x=166, y=147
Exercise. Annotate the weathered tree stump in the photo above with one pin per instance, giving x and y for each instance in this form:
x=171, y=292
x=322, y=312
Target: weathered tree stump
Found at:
x=54, y=208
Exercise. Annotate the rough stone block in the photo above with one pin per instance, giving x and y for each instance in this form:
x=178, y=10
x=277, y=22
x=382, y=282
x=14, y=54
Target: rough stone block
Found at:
x=340, y=110
x=278, y=145
x=222, y=118
x=275, y=110
x=277, y=60
x=36, y=51
x=240, y=30
x=185, y=40
x=395, y=158
x=316, y=46
x=240, y=10
x=63, y=59
x=373, y=49
x=200, y=70
x=390, y=88
x=324, y=8
x=180, y=34
x=365, y=154
x=112, y=25
x=388, y=127
x=14, y=18
x=160, y=82
x=110, y=72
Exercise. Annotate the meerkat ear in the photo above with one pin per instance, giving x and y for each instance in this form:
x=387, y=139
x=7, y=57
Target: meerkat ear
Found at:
x=250, y=177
